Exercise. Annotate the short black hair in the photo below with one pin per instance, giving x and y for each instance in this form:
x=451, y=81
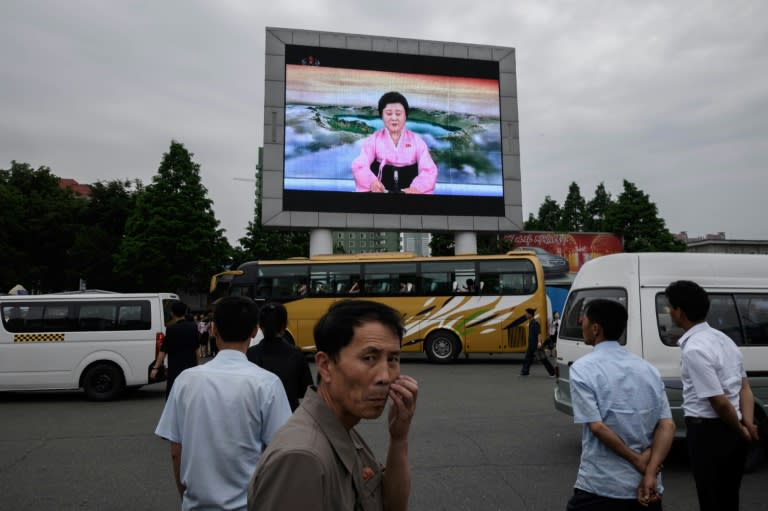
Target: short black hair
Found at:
x=609, y=314
x=336, y=328
x=178, y=309
x=393, y=97
x=273, y=318
x=235, y=317
x=531, y=311
x=690, y=297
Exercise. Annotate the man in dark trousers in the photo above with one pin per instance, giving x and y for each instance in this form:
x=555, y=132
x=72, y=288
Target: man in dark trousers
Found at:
x=181, y=345
x=627, y=427
x=717, y=400
x=534, y=345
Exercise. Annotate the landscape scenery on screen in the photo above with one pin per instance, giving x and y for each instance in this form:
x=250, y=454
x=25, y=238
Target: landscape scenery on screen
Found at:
x=329, y=111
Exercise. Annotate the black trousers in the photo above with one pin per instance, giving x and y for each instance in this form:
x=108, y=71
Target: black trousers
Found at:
x=530, y=355
x=717, y=454
x=405, y=175
x=585, y=501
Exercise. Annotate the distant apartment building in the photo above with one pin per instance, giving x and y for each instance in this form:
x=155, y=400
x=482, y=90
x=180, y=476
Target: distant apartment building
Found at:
x=718, y=243
x=356, y=242
x=416, y=242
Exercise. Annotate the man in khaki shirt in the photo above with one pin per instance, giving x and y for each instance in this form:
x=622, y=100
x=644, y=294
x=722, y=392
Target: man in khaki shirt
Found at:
x=318, y=460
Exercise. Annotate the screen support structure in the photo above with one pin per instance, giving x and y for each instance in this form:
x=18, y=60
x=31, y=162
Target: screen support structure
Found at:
x=320, y=242
x=465, y=243
x=294, y=209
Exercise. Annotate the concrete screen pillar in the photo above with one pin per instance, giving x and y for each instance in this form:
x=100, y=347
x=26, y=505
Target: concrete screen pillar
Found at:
x=320, y=242
x=465, y=243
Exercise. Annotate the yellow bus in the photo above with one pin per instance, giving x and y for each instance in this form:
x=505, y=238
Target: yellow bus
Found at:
x=450, y=305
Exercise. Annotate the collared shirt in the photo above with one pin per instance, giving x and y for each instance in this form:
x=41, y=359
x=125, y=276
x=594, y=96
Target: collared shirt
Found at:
x=626, y=393
x=315, y=463
x=223, y=414
x=410, y=149
x=711, y=365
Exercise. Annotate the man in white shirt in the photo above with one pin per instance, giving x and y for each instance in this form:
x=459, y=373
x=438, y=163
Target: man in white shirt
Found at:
x=220, y=416
x=717, y=400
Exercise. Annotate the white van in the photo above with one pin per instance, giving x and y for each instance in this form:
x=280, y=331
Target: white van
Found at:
x=738, y=291
x=100, y=342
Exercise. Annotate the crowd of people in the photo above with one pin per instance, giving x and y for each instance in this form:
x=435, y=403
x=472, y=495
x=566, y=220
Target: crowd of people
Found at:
x=248, y=430
x=627, y=424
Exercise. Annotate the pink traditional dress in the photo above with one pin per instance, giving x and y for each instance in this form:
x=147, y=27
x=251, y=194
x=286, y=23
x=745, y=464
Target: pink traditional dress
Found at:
x=405, y=165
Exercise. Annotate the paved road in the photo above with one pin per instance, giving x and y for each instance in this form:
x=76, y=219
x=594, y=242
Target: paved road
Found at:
x=483, y=439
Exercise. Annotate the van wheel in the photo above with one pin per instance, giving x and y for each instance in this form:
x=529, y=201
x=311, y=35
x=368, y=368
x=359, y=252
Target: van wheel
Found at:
x=441, y=347
x=103, y=382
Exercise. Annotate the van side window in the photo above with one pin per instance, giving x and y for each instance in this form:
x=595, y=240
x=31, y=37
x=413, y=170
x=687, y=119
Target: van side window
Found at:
x=570, y=325
x=753, y=310
x=742, y=317
x=82, y=316
x=669, y=332
x=722, y=315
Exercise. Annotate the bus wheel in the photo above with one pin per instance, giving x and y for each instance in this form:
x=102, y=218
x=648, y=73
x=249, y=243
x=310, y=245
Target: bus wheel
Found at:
x=103, y=382
x=441, y=346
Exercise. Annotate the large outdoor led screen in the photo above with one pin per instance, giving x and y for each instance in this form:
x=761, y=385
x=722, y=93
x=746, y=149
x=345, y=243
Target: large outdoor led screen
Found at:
x=340, y=154
x=387, y=133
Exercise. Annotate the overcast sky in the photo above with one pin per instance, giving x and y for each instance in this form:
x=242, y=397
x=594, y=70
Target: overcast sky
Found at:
x=672, y=96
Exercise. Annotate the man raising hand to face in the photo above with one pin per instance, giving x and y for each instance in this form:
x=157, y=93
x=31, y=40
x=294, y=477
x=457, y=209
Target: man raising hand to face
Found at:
x=318, y=460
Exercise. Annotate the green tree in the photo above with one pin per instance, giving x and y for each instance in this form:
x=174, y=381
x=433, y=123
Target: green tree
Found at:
x=574, y=211
x=489, y=244
x=37, y=227
x=441, y=245
x=101, y=229
x=338, y=248
x=260, y=243
x=634, y=217
x=550, y=215
x=596, y=210
x=532, y=224
x=172, y=239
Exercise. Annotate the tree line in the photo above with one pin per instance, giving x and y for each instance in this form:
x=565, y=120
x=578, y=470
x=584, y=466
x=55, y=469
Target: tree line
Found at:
x=632, y=215
x=164, y=236
x=124, y=236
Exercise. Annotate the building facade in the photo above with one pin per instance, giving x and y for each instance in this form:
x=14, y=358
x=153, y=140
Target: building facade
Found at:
x=718, y=243
x=416, y=242
x=356, y=242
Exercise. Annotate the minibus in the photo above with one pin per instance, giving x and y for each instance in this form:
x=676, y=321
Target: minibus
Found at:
x=102, y=343
x=738, y=290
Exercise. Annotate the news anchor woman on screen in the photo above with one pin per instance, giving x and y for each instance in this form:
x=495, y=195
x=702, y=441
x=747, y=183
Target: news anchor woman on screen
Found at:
x=394, y=159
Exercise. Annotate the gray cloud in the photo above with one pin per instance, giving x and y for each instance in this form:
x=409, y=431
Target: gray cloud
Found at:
x=670, y=96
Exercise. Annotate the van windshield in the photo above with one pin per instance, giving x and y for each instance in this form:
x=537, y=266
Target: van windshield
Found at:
x=570, y=326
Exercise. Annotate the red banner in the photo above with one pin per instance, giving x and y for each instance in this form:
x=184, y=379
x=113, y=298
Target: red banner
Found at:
x=576, y=247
